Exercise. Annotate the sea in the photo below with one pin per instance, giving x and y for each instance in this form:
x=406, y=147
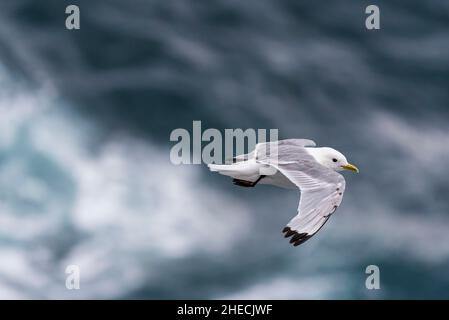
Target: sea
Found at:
x=86, y=179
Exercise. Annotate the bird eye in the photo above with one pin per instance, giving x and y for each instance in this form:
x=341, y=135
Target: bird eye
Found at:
x=334, y=160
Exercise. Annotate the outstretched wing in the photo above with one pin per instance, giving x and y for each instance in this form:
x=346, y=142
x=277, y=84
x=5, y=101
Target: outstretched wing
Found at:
x=298, y=143
x=321, y=189
x=319, y=199
x=266, y=147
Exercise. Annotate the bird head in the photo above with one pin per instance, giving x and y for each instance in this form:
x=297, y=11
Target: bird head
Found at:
x=331, y=159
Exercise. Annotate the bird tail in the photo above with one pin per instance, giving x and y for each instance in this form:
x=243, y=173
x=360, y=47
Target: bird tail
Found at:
x=220, y=167
x=245, y=170
x=230, y=170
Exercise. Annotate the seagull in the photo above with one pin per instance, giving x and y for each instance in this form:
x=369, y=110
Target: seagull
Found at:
x=295, y=163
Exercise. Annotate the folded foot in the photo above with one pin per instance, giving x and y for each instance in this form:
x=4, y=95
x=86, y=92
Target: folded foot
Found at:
x=247, y=184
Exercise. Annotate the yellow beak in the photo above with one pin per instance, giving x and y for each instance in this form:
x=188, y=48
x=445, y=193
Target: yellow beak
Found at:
x=351, y=167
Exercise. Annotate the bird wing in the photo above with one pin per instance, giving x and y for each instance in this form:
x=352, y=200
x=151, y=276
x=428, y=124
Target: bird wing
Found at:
x=321, y=188
x=266, y=145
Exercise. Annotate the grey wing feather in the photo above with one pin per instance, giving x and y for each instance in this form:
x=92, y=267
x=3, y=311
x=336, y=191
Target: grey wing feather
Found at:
x=283, y=144
x=321, y=189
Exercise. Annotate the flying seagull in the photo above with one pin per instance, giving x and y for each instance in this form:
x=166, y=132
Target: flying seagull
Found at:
x=295, y=163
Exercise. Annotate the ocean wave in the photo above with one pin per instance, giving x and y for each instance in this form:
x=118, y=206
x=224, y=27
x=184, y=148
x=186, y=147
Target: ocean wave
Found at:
x=119, y=210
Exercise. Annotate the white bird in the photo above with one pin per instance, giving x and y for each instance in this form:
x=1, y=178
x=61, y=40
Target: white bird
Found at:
x=295, y=163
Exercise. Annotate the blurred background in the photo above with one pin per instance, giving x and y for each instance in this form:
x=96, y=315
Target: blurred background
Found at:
x=85, y=175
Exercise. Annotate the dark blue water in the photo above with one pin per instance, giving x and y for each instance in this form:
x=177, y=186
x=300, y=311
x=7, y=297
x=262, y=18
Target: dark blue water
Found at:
x=85, y=176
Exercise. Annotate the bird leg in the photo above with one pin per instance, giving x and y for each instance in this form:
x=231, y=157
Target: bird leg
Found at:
x=248, y=184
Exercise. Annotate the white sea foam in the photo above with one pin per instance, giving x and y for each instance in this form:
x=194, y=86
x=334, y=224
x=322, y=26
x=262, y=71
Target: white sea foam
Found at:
x=121, y=211
x=117, y=209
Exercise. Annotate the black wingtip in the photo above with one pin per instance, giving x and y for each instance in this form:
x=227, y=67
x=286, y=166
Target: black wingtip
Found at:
x=298, y=238
x=302, y=240
x=289, y=233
